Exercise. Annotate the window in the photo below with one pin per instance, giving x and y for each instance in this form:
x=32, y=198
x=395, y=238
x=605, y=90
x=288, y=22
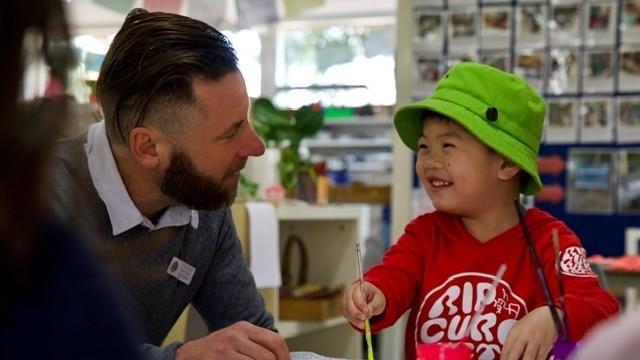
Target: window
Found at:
x=337, y=65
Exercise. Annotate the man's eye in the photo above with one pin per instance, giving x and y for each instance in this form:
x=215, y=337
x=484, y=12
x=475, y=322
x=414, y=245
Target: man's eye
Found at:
x=446, y=145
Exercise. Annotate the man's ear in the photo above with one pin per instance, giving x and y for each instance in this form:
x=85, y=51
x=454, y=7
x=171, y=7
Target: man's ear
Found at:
x=147, y=146
x=508, y=169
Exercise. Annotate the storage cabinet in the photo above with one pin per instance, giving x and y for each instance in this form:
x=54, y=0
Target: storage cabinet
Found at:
x=329, y=234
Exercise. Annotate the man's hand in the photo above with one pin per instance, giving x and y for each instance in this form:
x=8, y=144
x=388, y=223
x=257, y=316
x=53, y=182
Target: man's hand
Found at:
x=241, y=340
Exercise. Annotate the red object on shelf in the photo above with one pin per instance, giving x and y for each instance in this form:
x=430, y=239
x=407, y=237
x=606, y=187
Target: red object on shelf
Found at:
x=624, y=263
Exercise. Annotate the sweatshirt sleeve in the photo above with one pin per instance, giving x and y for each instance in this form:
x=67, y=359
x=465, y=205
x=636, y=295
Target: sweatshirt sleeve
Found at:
x=229, y=282
x=399, y=276
x=587, y=303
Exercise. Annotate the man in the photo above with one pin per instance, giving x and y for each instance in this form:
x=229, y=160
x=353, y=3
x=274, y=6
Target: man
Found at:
x=154, y=181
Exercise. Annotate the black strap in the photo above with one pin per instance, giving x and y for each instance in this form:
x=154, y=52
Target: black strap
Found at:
x=287, y=278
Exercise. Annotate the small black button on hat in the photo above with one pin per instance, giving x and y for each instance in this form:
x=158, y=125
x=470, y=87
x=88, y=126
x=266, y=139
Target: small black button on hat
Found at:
x=492, y=114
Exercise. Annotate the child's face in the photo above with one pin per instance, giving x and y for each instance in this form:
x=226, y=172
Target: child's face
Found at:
x=458, y=171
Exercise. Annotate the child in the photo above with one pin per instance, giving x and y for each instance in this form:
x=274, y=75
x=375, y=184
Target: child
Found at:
x=477, y=139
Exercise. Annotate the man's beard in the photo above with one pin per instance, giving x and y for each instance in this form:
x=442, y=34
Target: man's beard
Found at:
x=188, y=186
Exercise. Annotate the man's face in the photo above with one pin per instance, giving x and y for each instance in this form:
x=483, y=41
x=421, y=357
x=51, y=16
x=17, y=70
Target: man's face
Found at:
x=205, y=164
x=190, y=187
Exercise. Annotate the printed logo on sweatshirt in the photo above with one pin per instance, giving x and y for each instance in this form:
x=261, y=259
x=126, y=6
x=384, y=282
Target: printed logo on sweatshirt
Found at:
x=573, y=261
x=446, y=311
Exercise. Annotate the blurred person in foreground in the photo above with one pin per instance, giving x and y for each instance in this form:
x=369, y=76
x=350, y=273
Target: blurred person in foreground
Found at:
x=57, y=300
x=154, y=182
x=615, y=339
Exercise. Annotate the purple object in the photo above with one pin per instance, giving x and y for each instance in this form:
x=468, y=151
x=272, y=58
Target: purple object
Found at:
x=562, y=348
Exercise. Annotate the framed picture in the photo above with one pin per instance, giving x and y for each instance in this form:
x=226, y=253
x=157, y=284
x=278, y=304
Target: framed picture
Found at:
x=565, y=24
x=628, y=119
x=463, y=28
x=597, y=70
x=461, y=2
x=429, y=69
x=563, y=71
x=590, y=180
x=600, y=23
x=496, y=27
x=432, y=3
x=429, y=32
x=629, y=69
x=531, y=25
x=499, y=59
x=530, y=65
x=629, y=181
x=561, y=120
x=630, y=22
x=596, y=120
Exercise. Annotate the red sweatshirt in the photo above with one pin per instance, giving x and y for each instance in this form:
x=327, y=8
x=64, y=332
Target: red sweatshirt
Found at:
x=440, y=272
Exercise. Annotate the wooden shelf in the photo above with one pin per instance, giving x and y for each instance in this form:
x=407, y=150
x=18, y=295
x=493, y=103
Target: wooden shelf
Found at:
x=348, y=143
x=306, y=211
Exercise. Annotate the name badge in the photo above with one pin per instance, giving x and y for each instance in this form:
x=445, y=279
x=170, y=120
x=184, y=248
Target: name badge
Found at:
x=181, y=270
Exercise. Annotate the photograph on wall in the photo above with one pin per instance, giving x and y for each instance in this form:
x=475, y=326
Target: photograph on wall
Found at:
x=563, y=71
x=628, y=119
x=590, y=180
x=629, y=69
x=491, y=2
x=597, y=70
x=630, y=22
x=499, y=59
x=530, y=65
x=461, y=2
x=564, y=24
x=530, y=25
x=429, y=33
x=429, y=69
x=432, y=3
x=561, y=121
x=463, y=30
x=596, y=120
x=496, y=27
x=629, y=180
x=600, y=23
x=461, y=55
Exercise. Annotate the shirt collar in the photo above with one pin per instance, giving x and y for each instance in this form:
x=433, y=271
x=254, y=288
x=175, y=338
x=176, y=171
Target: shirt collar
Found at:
x=124, y=215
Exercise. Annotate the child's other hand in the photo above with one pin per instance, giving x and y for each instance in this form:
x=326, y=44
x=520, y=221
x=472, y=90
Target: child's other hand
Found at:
x=532, y=337
x=356, y=308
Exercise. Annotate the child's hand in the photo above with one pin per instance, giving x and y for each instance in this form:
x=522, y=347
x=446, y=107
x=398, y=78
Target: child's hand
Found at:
x=356, y=308
x=532, y=337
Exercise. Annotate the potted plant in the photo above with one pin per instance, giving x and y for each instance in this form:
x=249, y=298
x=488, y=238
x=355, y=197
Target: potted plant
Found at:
x=286, y=130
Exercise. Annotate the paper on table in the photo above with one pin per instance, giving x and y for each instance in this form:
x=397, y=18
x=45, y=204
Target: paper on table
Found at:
x=263, y=244
x=307, y=355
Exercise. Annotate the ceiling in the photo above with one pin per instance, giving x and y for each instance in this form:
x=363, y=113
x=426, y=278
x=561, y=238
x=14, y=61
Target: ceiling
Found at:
x=87, y=15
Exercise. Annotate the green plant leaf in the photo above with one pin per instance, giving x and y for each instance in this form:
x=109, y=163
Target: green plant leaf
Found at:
x=271, y=124
x=308, y=121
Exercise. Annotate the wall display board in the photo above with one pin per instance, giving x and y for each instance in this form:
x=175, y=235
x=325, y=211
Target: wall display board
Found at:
x=583, y=57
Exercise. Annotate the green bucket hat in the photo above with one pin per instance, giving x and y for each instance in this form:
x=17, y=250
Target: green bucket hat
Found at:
x=497, y=107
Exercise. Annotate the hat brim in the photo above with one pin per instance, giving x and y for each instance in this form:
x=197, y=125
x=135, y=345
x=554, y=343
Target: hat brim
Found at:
x=408, y=124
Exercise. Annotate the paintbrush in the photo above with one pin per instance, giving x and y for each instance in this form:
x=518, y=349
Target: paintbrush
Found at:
x=563, y=306
x=543, y=280
x=367, y=325
x=483, y=303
